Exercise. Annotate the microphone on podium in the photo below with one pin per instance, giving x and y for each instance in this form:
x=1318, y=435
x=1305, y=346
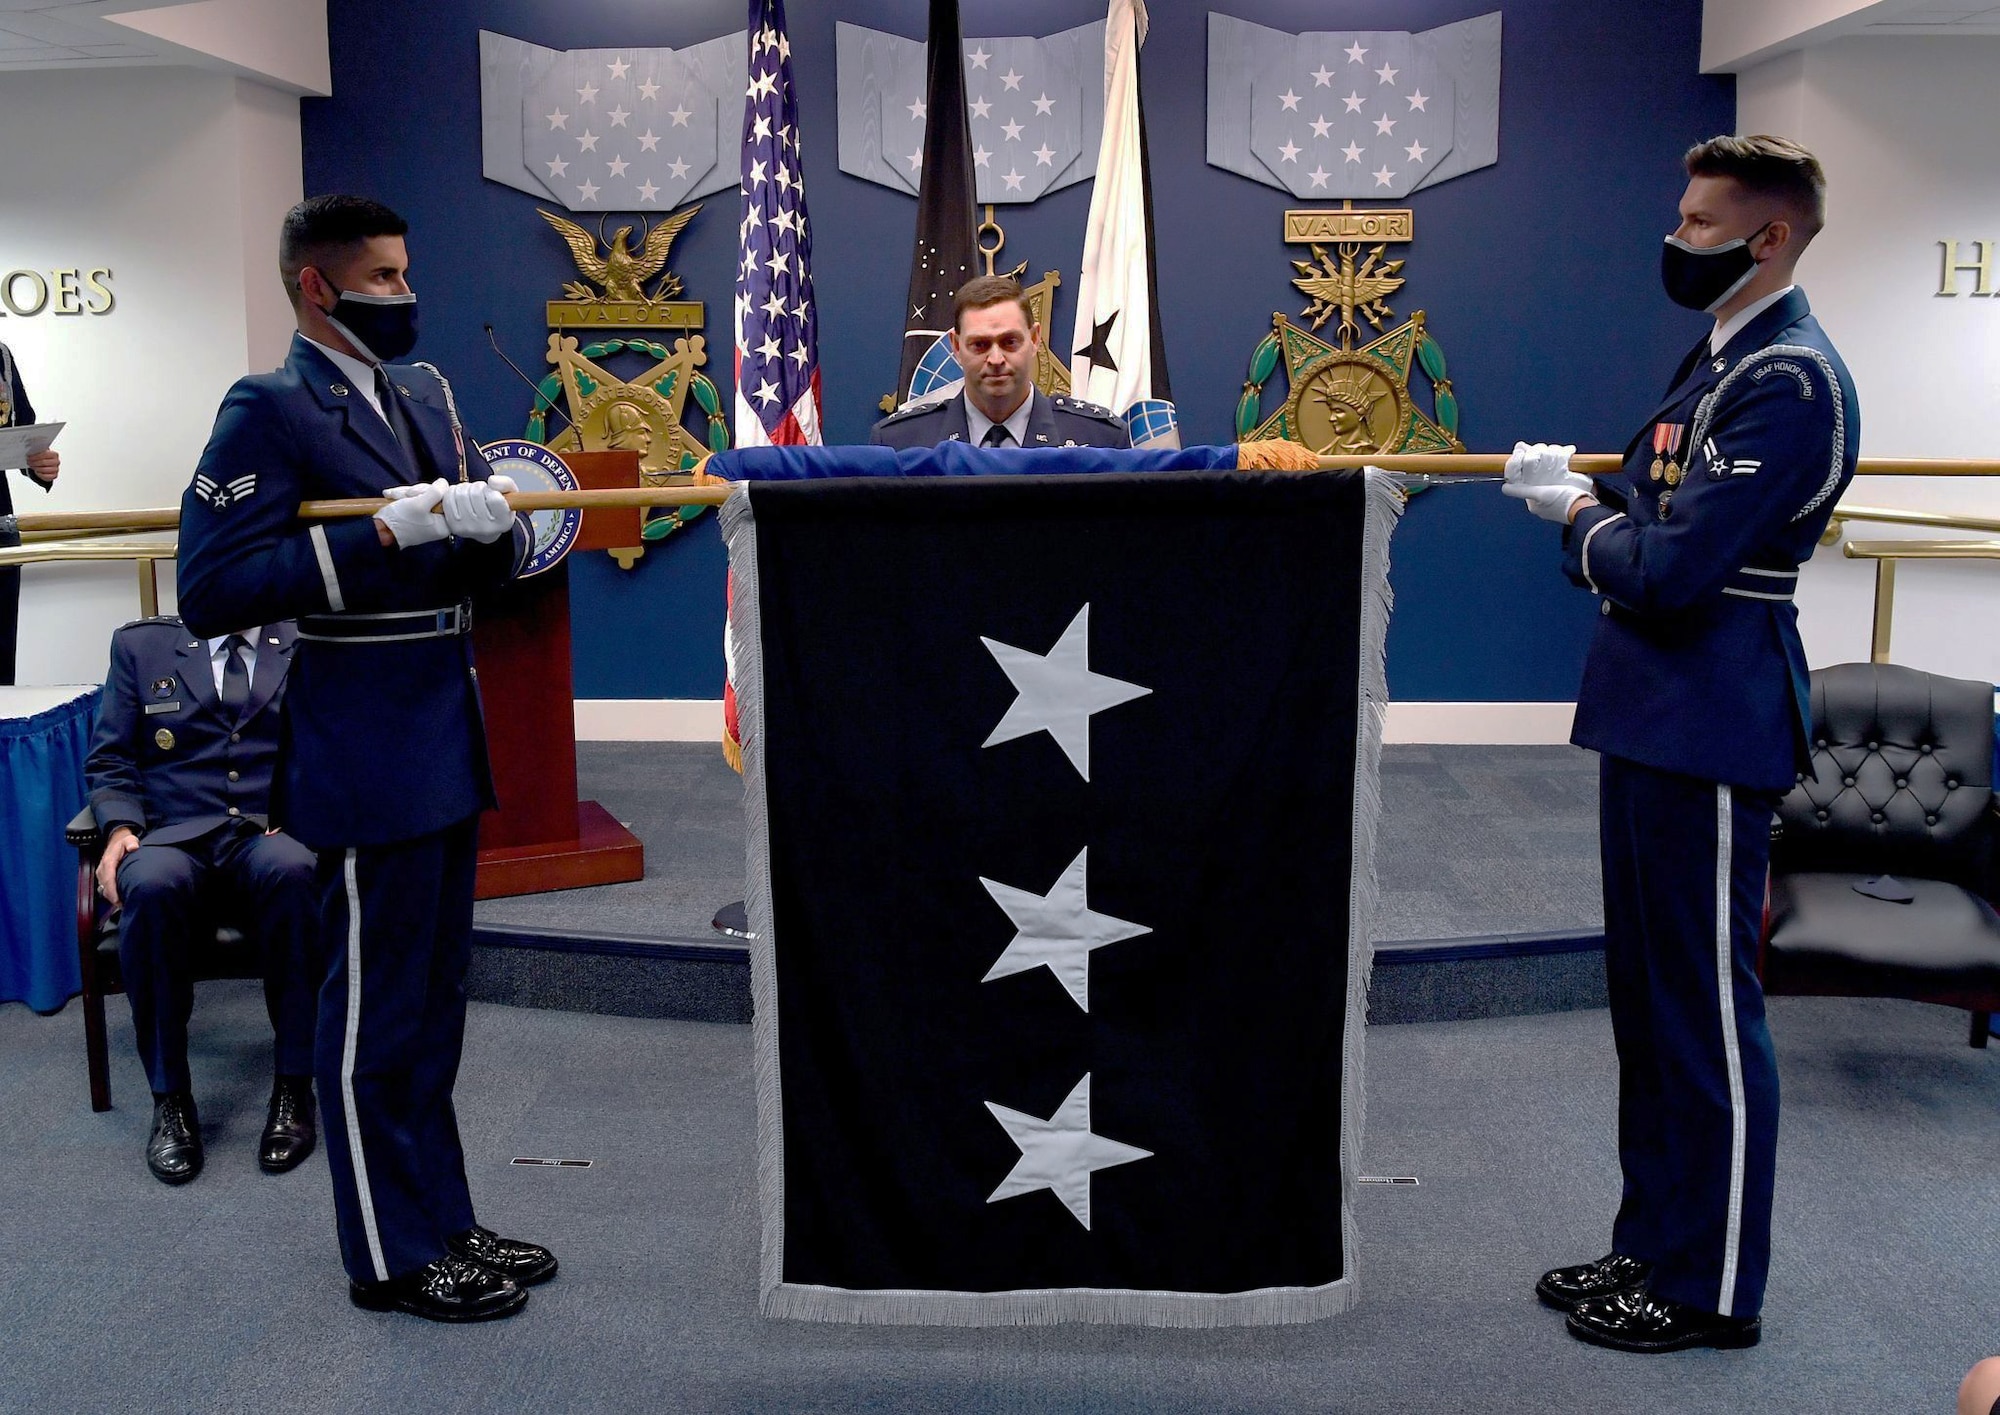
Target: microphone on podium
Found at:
x=540, y=397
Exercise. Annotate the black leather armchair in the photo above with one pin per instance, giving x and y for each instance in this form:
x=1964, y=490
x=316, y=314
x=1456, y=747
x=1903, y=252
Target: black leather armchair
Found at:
x=1901, y=787
x=97, y=953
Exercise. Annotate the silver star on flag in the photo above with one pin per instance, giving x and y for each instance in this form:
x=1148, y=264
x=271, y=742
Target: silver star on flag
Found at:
x=1060, y=1154
x=1058, y=930
x=1057, y=693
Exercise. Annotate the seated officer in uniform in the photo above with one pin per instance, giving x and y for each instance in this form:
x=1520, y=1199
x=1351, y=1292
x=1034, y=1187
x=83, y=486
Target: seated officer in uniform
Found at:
x=995, y=339
x=180, y=784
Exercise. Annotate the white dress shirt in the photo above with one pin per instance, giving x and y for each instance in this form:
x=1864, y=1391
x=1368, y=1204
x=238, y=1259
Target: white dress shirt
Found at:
x=216, y=656
x=360, y=373
x=976, y=422
x=1719, y=339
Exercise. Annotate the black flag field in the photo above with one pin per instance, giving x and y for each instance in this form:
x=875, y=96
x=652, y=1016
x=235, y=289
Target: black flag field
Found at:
x=944, y=256
x=1062, y=798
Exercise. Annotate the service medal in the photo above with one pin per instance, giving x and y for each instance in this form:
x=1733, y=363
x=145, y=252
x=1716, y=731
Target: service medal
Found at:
x=1667, y=442
x=164, y=740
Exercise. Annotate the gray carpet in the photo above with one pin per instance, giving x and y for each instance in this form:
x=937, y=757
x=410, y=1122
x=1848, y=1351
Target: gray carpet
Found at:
x=1474, y=841
x=118, y=1294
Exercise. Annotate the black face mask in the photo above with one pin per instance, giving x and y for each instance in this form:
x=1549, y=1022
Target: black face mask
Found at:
x=1702, y=277
x=382, y=327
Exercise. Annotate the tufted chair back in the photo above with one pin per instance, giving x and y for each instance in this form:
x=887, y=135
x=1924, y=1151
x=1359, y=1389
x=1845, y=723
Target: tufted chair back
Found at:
x=1901, y=780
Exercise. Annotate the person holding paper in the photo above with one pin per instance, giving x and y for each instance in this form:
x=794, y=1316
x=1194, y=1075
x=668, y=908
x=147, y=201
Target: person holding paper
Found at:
x=42, y=468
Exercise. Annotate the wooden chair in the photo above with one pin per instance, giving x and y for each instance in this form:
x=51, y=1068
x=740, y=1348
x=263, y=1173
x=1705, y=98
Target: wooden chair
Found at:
x=233, y=955
x=1901, y=787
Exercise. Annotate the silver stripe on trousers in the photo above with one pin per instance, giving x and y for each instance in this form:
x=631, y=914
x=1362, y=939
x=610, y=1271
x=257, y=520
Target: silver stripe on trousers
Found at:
x=357, y=1160
x=1725, y=982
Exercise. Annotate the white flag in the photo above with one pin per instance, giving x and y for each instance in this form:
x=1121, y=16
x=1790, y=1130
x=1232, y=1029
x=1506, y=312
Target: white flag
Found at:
x=1114, y=347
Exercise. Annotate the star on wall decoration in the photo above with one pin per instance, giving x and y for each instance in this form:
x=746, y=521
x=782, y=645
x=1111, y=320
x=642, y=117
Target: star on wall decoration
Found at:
x=1058, y=930
x=1057, y=693
x=1060, y=1154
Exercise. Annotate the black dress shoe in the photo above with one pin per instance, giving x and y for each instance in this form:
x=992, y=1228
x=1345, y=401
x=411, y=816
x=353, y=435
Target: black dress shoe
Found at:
x=173, y=1150
x=526, y=1263
x=448, y=1290
x=1638, y=1321
x=1613, y=1273
x=289, y=1128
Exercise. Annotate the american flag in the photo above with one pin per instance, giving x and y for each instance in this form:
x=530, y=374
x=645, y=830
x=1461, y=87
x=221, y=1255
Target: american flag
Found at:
x=777, y=328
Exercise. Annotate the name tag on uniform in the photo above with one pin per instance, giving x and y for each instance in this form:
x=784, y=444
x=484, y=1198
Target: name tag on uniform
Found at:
x=152, y=708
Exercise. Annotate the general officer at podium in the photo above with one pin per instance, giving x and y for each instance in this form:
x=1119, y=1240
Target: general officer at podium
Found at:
x=995, y=339
x=1695, y=694
x=383, y=769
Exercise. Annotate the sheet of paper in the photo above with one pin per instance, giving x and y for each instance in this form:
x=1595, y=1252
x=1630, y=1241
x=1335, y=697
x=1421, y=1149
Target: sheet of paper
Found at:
x=17, y=442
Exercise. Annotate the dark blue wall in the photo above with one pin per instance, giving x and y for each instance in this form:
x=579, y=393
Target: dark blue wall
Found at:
x=1539, y=275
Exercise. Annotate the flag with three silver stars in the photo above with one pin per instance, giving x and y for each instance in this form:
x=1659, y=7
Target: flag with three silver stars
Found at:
x=1061, y=876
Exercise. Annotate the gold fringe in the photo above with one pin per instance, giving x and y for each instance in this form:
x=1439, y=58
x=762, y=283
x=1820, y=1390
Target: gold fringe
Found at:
x=732, y=752
x=1274, y=455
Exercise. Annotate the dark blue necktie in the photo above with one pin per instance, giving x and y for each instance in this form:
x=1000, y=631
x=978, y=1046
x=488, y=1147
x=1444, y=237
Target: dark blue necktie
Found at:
x=235, y=677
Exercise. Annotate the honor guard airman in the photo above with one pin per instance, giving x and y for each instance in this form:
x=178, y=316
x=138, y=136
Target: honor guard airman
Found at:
x=995, y=339
x=180, y=773
x=1695, y=695
x=384, y=768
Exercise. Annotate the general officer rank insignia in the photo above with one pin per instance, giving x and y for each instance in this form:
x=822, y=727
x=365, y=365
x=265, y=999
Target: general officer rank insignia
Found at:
x=164, y=740
x=163, y=687
x=222, y=497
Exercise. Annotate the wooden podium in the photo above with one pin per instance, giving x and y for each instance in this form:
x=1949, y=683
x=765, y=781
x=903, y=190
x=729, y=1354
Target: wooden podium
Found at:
x=543, y=837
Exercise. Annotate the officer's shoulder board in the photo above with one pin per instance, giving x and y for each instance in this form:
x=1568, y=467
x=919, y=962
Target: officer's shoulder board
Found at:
x=170, y=621
x=914, y=410
x=1064, y=403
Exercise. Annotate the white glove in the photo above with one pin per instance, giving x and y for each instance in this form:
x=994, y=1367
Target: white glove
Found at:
x=408, y=514
x=478, y=510
x=1538, y=473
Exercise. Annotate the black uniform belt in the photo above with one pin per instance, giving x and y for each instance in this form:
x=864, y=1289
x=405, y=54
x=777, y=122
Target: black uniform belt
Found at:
x=388, y=628
x=1757, y=582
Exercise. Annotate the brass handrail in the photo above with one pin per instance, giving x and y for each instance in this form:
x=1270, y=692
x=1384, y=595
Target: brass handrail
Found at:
x=147, y=556
x=1887, y=553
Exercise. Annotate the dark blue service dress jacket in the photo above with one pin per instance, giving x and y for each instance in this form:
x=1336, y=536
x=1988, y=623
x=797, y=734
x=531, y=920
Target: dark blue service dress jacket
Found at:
x=168, y=759
x=384, y=741
x=1052, y=422
x=1697, y=666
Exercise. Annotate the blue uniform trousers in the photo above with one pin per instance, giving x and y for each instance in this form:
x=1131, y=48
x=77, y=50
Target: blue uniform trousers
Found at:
x=1684, y=873
x=397, y=927
x=171, y=897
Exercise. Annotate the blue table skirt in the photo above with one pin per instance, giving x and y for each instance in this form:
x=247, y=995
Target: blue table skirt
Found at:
x=41, y=788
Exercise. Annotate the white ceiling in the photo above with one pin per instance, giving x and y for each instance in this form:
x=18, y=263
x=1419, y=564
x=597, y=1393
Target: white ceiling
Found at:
x=49, y=34
x=278, y=42
x=1929, y=17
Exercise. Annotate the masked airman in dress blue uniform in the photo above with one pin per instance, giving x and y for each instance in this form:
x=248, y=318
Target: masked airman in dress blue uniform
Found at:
x=383, y=768
x=1695, y=695
x=995, y=339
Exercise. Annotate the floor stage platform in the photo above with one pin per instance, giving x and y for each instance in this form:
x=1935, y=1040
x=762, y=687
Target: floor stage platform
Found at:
x=1487, y=860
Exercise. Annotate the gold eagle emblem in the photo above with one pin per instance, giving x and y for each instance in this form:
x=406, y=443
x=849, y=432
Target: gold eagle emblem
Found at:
x=1347, y=289
x=621, y=271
